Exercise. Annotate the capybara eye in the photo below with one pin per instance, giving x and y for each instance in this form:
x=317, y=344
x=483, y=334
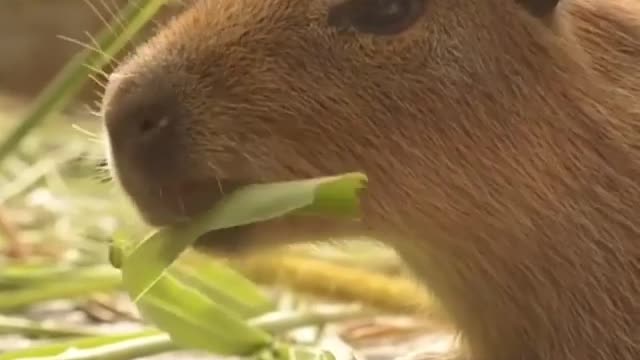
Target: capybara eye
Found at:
x=377, y=17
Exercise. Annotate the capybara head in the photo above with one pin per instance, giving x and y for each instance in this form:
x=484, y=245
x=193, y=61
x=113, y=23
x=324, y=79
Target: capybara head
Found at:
x=243, y=91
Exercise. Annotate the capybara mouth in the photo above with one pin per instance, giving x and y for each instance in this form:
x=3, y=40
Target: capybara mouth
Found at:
x=165, y=205
x=227, y=242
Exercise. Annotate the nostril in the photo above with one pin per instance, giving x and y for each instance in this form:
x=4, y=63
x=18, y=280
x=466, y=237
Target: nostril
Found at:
x=141, y=114
x=144, y=121
x=148, y=125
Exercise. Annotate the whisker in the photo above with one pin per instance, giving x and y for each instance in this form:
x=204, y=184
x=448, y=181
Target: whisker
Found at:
x=89, y=110
x=220, y=186
x=114, y=15
x=99, y=15
x=215, y=171
x=97, y=141
x=96, y=108
x=86, y=46
x=97, y=70
x=84, y=131
x=96, y=44
x=94, y=112
x=97, y=81
x=77, y=42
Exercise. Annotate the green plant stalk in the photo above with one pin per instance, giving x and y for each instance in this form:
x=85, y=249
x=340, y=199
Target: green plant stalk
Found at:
x=14, y=325
x=122, y=350
x=281, y=322
x=75, y=73
x=69, y=287
x=152, y=342
x=51, y=349
x=23, y=276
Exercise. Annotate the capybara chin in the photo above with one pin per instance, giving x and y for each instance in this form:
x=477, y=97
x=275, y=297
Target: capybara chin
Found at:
x=500, y=138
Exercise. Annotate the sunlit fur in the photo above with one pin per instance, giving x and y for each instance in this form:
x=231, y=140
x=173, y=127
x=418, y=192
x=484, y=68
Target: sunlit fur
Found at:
x=502, y=150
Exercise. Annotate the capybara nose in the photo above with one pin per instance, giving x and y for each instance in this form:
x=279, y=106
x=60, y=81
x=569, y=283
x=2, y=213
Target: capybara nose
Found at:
x=142, y=119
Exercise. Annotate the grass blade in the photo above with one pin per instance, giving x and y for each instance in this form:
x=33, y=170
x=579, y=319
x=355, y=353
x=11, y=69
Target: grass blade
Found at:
x=194, y=321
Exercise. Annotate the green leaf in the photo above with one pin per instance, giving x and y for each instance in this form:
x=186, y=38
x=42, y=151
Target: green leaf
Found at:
x=222, y=284
x=331, y=195
x=197, y=322
x=150, y=259
x=212, y=317
x=254, y=203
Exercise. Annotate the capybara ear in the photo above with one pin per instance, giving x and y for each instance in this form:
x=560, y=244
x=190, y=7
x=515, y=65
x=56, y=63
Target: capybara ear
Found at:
x=539, y=8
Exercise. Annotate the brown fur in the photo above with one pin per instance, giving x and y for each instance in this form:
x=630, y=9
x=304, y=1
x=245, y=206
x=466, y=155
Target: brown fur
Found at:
x=610, y=32
x=502, y=153
x=35, y=45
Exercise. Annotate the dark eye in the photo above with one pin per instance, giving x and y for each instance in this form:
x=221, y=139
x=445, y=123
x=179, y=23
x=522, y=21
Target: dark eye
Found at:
x=377, y=17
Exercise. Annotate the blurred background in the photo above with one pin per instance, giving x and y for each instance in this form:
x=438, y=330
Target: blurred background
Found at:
x=37, y=37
